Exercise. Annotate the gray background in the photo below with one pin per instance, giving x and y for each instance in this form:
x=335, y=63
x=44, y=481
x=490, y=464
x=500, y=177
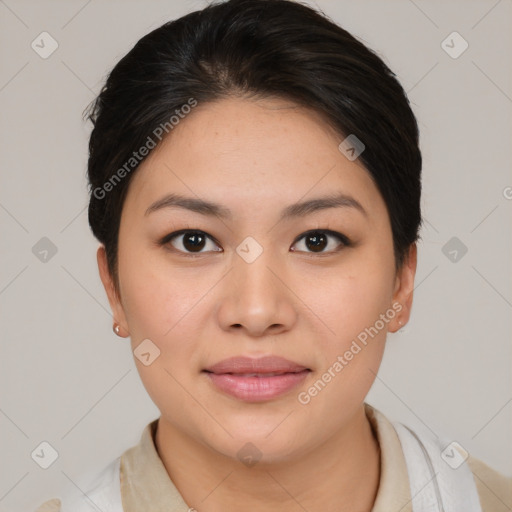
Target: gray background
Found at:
x=68, y=380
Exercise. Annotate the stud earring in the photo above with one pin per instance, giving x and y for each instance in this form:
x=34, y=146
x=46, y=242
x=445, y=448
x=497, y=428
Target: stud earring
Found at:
x=116, y=328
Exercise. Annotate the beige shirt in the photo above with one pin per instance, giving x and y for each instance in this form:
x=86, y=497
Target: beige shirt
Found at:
x=146, y=486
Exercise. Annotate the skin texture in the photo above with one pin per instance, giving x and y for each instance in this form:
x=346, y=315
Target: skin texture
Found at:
x=255, y=157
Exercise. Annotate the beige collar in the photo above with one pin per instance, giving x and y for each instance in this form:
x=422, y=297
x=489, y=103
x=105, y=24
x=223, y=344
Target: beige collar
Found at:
x=145, y=484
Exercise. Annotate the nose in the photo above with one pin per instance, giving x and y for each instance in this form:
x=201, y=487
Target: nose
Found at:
x=256, y=298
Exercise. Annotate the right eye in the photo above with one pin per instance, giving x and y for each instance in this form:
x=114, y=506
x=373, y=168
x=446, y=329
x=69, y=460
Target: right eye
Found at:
x=189, y=241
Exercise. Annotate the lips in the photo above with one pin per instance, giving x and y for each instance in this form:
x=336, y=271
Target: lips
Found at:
x=267, y=366
x=256, y=380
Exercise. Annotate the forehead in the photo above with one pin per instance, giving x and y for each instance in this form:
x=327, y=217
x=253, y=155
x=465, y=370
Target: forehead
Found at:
x=264, y=153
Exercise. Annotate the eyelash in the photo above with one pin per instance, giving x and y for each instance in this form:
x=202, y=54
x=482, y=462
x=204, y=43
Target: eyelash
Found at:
x=165, y=241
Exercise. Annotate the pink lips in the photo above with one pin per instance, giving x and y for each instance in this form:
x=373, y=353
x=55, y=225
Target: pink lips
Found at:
x=256, y=380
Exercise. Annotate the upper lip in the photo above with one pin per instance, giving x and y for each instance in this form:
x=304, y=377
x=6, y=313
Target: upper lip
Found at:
x=267, y=364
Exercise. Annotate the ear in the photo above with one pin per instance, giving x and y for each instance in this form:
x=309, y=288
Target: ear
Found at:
x=404, y=288
x=113, y=297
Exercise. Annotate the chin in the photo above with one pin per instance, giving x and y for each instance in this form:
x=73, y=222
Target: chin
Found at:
x=268, y=443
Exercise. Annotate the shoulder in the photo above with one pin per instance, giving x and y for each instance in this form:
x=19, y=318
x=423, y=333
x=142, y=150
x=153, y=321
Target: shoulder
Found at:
x=53, y=505
x=494, y=489
x=103, y=492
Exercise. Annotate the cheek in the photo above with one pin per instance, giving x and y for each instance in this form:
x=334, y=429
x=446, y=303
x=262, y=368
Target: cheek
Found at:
x=170, y=306
x=156, y=298
x=163, y=310
x=347, y=300
x=353, y=307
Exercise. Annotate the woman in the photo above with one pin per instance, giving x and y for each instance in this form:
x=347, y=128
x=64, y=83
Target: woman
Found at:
x=255, y=183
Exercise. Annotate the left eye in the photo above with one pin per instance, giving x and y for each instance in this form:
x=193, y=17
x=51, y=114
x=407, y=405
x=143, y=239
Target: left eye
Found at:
x=318, y=240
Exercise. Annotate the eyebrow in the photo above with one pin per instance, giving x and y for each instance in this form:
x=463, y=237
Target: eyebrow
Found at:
x=299, y=209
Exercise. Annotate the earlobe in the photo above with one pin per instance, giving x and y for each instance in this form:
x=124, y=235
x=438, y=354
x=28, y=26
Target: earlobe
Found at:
x=108, y=285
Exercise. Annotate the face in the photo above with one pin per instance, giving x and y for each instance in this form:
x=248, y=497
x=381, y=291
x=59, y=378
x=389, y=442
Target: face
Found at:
x=238, y=271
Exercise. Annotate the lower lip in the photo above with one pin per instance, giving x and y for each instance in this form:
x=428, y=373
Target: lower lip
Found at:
x=256, y=389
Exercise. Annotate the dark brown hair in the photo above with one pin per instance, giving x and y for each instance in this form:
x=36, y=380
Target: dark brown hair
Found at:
x=263, y=48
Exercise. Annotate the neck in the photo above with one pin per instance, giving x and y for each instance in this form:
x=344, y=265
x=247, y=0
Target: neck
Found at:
x=340, y=475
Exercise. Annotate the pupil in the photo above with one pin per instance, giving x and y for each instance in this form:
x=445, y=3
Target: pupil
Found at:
x=193, y=241
x=318, y=242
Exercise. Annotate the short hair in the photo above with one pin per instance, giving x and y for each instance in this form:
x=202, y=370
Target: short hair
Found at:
x=261, y=49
